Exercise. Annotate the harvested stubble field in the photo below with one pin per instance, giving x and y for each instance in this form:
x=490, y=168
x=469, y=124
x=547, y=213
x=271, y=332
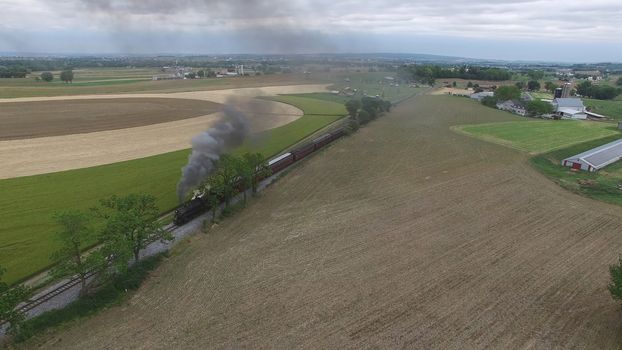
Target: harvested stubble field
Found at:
x=16, y=88
x=405, y=235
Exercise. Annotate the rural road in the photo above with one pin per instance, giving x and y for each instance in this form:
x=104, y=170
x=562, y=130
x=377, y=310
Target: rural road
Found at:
x=57, y=153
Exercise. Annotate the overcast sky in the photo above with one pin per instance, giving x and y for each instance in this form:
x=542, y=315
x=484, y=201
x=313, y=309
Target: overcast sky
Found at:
x=554, y=30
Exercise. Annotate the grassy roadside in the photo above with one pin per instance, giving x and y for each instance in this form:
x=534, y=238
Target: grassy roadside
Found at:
x=28, y=203
x=602, y=185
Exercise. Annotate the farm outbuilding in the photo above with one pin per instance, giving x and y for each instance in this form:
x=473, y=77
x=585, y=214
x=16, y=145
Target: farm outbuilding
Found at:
x=596, y=158
x=569, y=108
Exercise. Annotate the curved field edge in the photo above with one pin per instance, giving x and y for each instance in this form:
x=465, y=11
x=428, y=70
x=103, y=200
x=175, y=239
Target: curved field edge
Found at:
x=603, y=185
x=538, y=136
x=28, y=203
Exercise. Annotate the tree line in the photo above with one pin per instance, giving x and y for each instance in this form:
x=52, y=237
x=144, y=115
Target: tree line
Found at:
x=14, y=71
x=364, y=110
x=429, y=73
x=599, y=92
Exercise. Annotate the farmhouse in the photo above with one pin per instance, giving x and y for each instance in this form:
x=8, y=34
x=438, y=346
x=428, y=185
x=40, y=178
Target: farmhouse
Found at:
x=596, y=158
x=480, y=95
x=513, y=107
x=569, y=108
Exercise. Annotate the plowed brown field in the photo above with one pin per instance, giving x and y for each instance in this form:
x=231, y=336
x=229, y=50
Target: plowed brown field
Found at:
x=24, y=120
x=405, y=235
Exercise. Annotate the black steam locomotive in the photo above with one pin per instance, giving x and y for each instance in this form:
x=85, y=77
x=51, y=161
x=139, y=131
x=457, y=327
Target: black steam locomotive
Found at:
x=199, y=205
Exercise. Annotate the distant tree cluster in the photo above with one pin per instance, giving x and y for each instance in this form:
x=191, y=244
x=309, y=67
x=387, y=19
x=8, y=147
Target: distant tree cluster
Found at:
x=504, y=93
x=429, y=73
x=535, y=74
x=550, y=86
x=619, y=81
x=533, y=85
x=537, y=107
x=365, y=110
x=600, y=92
x=16, y=71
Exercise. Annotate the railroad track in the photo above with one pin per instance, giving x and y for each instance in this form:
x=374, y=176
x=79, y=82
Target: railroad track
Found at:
x=74, y=281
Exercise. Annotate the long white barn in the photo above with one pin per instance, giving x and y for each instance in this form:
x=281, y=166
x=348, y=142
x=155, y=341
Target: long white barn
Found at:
x=596, y=158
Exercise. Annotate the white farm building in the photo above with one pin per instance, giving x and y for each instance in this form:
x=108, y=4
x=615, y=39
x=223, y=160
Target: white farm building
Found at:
x=596, y=158
x=569, y=108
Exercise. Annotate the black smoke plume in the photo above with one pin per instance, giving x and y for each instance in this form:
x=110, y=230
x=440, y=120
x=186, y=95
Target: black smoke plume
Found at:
x=207, y=147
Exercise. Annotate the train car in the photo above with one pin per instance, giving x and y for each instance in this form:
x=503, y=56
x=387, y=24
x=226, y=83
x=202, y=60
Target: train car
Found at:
x=189, y=210
x=337, y=134
x=303, y=151
x=281, y=162
x=321, y=141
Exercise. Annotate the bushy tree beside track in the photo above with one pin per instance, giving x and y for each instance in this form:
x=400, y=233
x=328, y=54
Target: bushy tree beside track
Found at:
x=10, y=297
x=131, y=223
x=74, y=234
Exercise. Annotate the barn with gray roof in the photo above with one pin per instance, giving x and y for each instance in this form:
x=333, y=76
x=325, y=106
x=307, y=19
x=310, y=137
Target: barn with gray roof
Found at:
x=596, y=158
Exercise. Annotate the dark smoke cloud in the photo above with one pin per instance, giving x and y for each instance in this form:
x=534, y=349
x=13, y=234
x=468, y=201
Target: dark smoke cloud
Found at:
x=207, y=147
x=247, y=26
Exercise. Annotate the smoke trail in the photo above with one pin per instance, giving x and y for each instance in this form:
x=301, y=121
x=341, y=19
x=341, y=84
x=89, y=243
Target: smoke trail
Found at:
x=207, y=147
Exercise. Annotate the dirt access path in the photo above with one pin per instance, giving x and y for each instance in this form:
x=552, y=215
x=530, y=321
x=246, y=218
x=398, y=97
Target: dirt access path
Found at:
x=404, y=235
x=56, y=153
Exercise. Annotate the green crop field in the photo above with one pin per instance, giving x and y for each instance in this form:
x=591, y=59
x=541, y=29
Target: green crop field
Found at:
x=539, y=136
x=601, y=185
x=28, y=203
x=541, y=95
x=609, y=108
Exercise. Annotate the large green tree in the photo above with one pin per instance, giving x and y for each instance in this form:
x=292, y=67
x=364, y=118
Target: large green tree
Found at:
x=227, y=174
x=74, y=235
x=66, y=76
x=533, y=85
x=537, y=107
x=213, y=190
x=131, y=223
x=47, y=76
x=352, y=106
x=504, y=93
x=256, y=162
x=550, y=86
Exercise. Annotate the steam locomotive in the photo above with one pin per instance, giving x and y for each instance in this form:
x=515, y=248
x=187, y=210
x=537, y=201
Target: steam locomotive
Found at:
x=198, y=204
